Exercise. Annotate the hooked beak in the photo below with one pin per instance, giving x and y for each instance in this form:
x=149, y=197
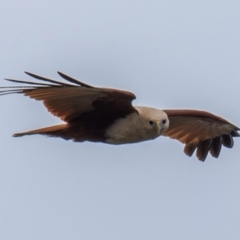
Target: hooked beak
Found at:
x=160, y=127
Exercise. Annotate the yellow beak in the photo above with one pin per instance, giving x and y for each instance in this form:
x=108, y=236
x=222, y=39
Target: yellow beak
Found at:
x=159, y=127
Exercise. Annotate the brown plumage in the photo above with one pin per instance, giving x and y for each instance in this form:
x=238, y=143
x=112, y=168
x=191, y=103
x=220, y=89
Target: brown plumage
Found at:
x=200, y=130
x=107, y=115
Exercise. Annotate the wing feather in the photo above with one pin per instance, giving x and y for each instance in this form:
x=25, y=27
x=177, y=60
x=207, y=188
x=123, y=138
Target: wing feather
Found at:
x=203, y=148
x=72, y=100
x=216, y=146
x=227, y=140
x=200, y=130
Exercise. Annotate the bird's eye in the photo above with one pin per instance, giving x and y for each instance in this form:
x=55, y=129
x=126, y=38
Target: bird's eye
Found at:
x=164, y=121
x=151, y=122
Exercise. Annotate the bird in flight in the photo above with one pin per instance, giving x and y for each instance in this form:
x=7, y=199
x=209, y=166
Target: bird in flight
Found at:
x=107, y=115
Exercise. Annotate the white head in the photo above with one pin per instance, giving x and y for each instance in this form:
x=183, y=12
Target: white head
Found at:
x=154, y=120
x=148, y=123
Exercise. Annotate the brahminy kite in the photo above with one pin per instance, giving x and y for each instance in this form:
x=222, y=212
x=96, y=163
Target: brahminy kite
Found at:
x=107, y=115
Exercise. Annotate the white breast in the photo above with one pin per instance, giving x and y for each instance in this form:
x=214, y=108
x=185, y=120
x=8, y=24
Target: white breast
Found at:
x=135, y=127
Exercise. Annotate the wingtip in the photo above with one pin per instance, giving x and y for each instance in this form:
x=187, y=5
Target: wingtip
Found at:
x=73, y=80
x=8, y=79
x=29, y=74
x=61, y=74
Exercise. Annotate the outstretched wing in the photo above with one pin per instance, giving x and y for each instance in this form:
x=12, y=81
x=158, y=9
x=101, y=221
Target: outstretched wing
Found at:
x=74, y=100
x=200, y=130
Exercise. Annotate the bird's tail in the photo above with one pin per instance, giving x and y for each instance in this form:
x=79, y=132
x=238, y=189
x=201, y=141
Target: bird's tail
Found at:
x=52, y=131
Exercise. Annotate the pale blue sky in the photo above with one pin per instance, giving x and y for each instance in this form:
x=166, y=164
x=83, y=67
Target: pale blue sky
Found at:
x=171, y=54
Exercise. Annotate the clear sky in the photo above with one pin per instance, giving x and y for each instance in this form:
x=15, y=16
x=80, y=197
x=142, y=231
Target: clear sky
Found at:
x=171, y=54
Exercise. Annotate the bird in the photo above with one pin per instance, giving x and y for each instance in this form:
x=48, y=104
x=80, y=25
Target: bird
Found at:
x=107, y=115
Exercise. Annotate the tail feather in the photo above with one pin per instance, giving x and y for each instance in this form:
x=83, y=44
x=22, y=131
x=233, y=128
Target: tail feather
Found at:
x=54, y=131
x=78, y=133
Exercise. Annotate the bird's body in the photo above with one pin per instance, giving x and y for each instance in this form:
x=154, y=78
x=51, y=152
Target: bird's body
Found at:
x=130, y=129
x=107, y=115
x=138, y=126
